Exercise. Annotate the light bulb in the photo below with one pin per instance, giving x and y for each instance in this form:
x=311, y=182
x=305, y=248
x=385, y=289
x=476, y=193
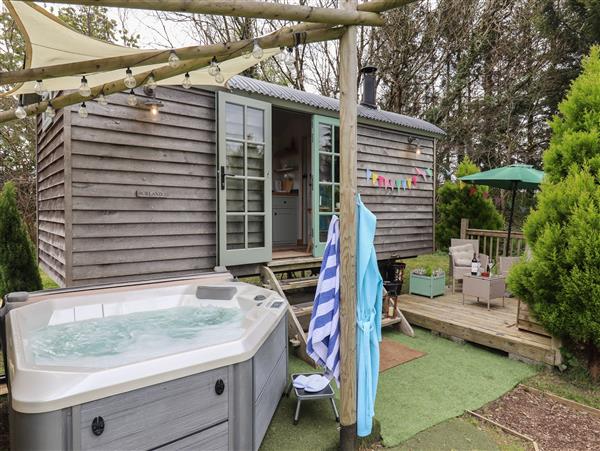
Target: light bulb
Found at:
x=129, y=79
x=39, y=88
x=102, y=100
x=290, y=60
x=154, y=110
x=219, y=77
x=246, y=54
x=257, y=52
x=131, y=99
x=418, y=151
x=84, y=88
x=282, y=56
x=187, y=83
x=83, y=112
x=50, y=111
x=214, y=68
x=151, y=82
x=173, y=59
x=20, y=112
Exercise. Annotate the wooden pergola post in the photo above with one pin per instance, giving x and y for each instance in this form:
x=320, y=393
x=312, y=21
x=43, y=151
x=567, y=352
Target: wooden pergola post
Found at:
x=348, y=109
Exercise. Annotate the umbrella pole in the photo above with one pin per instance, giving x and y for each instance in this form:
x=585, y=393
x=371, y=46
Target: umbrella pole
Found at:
x=510, y=219
x=348, y=151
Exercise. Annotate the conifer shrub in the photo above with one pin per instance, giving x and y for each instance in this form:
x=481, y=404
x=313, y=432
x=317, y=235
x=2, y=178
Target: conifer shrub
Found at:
x=457, y=200
x=561, y=281
x=18, y=267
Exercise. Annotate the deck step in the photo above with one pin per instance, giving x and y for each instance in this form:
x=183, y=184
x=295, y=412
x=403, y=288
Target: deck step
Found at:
x=295, y=284
x=304, y=309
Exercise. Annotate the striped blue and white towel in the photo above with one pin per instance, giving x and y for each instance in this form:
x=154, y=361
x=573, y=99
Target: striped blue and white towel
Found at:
x=323, y=344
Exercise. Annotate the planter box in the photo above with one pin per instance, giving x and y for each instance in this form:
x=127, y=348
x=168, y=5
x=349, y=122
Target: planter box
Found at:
x=428, y=286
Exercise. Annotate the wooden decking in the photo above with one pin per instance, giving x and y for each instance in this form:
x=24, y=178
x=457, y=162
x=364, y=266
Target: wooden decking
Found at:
x=472, y=322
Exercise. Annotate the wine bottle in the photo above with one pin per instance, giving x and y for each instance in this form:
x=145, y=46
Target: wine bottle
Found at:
x=474, y=265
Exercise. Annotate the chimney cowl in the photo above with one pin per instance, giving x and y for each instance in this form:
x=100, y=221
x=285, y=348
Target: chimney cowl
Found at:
x=369, y=94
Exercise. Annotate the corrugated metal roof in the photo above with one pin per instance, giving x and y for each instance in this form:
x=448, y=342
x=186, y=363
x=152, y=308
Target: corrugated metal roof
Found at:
x=250, y=85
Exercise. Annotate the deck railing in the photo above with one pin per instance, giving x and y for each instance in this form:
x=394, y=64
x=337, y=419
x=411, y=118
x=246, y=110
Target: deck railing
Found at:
x=493, y=242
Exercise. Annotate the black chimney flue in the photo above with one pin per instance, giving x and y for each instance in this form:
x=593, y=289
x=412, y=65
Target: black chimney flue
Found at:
x=369, y=96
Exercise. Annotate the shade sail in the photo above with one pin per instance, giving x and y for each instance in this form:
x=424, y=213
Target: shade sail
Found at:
x=49, y=41
x=515, y=176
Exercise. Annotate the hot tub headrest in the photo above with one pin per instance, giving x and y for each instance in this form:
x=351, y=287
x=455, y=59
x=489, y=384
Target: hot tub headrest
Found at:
x=216, y=293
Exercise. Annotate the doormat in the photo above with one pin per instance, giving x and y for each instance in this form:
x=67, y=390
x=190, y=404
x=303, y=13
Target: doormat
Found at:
x=392, y=353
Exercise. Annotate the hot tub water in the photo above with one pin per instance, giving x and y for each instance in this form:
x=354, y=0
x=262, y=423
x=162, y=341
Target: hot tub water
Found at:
x=121, y=339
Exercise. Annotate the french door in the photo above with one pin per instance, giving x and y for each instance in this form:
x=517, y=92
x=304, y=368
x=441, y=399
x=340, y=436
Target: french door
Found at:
x=325, y=178
x=244, y=180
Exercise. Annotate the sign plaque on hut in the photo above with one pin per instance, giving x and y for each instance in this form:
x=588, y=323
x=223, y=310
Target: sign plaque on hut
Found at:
x=147, y=193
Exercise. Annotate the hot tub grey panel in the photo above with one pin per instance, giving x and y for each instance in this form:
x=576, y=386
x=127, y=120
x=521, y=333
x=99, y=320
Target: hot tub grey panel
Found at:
x=40, y=432
x=267, y=403
x=137, y=419
x=214, y=439
x=185, y=413
x=241, y=406
x=267, y=357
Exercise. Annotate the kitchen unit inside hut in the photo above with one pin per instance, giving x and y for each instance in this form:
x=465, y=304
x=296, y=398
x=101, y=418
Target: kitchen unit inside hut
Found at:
x=239, y=177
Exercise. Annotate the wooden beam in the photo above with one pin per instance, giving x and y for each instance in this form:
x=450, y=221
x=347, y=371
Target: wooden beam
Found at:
x=244, y=8
x=378, y=6
x=106, y=89
x=284, y=37
x=161, y=73
x=348, y=154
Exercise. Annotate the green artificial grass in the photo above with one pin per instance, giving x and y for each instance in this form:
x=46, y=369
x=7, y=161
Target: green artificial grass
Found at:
x=411, y=397
x=450, y=435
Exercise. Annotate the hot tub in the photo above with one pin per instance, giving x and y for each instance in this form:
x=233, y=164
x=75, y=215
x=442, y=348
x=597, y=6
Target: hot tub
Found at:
x=197, y=363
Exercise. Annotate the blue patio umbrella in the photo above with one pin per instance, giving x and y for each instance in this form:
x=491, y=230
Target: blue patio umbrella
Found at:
x=369, y=294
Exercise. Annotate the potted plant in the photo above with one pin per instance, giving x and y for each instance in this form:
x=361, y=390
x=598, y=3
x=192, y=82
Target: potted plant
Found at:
x=427, y=282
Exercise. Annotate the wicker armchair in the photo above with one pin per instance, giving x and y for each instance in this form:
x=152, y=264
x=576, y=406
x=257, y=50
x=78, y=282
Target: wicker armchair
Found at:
x=461, y=267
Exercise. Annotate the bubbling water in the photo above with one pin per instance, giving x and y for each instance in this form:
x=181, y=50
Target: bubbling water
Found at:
x=121, y=339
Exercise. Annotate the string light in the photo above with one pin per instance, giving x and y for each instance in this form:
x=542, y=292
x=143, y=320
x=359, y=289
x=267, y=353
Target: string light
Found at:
x=257, y=51
x=84, y=88
x=151, y=82
x=129, y=79
x=213, y=68
x=20, y=112
x=131, y=99
x=219, y=77
x=50, y=111
x=246, y=54
x=39, y=88
x=83, y=112
x=282, y=56
x=154, y=110
x=289, y=58
x=174, y=60
x=187, y=83
x=102, y=100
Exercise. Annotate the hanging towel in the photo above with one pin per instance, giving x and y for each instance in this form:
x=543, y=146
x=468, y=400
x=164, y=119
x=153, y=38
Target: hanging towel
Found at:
x=323, y=344
x=369, y=295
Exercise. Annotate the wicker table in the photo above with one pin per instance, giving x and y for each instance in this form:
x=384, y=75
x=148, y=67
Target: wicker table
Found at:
x=486, y=288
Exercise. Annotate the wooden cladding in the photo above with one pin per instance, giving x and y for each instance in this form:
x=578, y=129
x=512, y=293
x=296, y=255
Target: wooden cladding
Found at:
x=143, y=189
x=50, y=198
x=405, y=219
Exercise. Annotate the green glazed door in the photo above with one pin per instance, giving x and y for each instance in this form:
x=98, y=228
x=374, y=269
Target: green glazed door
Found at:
x=325, y=178
x=244, y=180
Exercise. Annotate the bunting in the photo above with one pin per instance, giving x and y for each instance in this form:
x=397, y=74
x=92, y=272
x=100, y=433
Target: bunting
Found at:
x=398, y=184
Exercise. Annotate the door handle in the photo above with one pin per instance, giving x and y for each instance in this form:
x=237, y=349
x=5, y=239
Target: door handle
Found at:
x=223, y=175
